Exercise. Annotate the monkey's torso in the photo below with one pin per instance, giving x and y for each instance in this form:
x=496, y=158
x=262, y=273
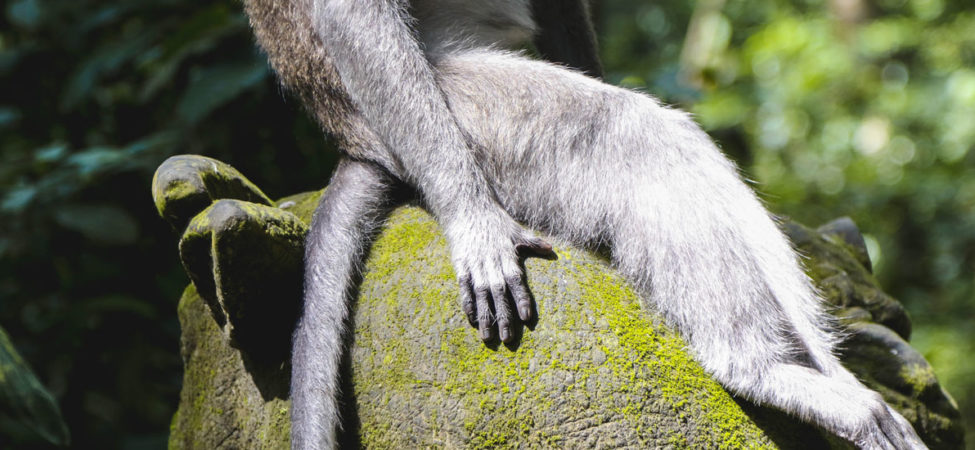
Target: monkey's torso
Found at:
x=285, y=31
x=486, y=136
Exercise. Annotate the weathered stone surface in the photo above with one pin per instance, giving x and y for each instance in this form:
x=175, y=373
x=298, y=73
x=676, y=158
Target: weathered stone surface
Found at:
x=597, y=370
x=846, y=230
x=245, y=260
x=184, y=185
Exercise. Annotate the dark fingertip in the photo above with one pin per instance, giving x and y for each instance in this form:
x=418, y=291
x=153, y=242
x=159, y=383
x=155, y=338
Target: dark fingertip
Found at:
x=521, y=296
x=471, y=312
x=543, y=246
x=467, y=301
x=538, y=247
x=485, y=334
x=484, y=317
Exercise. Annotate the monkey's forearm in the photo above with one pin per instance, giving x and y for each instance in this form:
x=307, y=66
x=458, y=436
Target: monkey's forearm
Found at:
x=352, y=208
x=389, y=79
x=394, y=87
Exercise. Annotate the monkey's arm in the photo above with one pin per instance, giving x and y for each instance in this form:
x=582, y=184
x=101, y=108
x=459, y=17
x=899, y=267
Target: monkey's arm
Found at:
x=357, y=201
x=565, y=35
x=394, y=87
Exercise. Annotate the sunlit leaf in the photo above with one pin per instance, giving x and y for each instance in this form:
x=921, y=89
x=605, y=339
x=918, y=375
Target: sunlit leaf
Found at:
x=724, y=109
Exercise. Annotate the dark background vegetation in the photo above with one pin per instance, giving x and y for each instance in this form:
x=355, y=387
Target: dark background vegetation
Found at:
x=863, y=108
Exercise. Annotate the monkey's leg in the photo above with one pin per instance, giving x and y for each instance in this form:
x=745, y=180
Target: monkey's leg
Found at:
x=719, y=269
x=357, y=201
x=596, y=163
x=850, y=410
x=392, y=85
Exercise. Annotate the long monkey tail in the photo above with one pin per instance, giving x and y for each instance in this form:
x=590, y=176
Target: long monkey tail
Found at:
x=353, y=207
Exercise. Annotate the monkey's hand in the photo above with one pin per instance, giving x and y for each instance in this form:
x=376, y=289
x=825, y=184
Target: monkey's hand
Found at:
x=389, y=79
x=486, y=251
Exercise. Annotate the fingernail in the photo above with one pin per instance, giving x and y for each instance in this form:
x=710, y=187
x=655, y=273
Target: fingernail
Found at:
x=485, y=334
x=505, y=334
x=525, y=312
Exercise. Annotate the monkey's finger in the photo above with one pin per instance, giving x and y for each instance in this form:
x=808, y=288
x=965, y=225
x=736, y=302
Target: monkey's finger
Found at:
x=467, y=299
x=502, y=311
x=897, y=429
x=485, y=321
x=521, y=296
x=895, y=435
x=907, y=430
x=533, y=245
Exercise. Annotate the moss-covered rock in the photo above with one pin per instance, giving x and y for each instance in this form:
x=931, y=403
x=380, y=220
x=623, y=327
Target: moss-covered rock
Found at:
x=597, y=370
x=184, y=185
x=230, y=245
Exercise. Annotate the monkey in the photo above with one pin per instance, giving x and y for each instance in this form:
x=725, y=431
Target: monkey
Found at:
x=428, y=94
x=362, y=190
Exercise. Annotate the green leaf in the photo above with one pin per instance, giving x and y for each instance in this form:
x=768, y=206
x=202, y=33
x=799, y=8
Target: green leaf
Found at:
x=107, y=59
x=195, y=36
x=25, y=399
x=18, y=199
x=97, y=160
x=105, y=224
x=50, y=153
x=8, y=116
x=26, y=13
x=214, y=86
x=101, y=160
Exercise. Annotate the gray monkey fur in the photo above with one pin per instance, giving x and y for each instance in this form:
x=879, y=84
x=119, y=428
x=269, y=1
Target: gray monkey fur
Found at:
x=422, y=91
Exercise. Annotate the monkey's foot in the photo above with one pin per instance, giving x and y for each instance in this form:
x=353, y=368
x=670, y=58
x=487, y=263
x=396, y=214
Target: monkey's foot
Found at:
x=489, y=270
x=883, y=428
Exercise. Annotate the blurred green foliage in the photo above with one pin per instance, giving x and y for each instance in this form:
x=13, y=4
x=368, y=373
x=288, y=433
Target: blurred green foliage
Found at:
x=26, y=407
x=96, y=94
x=835, y=107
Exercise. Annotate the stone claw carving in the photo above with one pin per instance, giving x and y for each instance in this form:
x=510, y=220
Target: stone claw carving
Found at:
x=243, y=255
